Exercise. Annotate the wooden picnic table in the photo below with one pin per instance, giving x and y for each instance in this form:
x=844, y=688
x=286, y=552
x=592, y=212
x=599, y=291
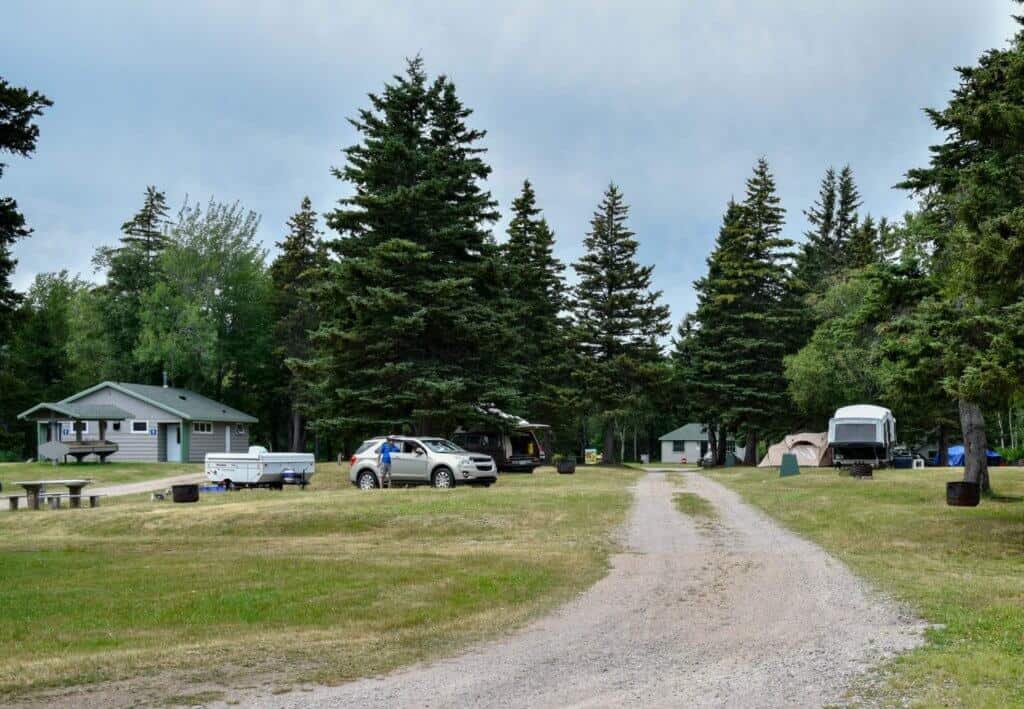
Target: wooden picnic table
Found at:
x=33, y=488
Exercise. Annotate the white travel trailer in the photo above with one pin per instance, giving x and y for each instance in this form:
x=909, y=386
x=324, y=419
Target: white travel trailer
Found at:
x=862, y=438
x=259, y=468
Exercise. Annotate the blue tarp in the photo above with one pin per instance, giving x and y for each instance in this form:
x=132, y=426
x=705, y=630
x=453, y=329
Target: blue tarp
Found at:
x=956, y=456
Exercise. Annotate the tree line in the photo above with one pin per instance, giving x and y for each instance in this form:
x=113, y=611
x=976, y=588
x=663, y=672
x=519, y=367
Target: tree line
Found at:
x=401, y=311
x=923, y=315
x=410, y=316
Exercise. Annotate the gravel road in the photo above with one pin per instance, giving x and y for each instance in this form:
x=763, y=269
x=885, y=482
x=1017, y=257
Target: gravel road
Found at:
x=148, y=485
x=737, y=613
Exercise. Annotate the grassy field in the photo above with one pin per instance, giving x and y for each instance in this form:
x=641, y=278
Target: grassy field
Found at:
x=960, y=568
x=100, y=474
x=328, y=584
x=694, y=505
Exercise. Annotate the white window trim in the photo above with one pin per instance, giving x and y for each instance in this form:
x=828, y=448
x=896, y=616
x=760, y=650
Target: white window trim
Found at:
x=71, y=426
x=240, y=429
x=144, y=431
x=196, y=429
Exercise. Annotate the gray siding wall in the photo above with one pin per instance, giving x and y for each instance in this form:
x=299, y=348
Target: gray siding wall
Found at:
x=239, y=442
x=202, y=443
x=140, y=447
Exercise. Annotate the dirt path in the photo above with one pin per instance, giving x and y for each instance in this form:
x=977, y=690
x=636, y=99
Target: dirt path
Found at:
x=740, y=613
x=148, y=485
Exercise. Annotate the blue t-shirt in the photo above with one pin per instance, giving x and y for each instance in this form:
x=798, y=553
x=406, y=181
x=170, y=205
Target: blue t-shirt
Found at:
x=385, y=452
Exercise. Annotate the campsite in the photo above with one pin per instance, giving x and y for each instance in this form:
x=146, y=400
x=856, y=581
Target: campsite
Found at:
x=511, y=355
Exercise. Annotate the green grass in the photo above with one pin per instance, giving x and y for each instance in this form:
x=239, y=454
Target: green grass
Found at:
x=331, y=583
x=100, y=474
x=666, y=466
x=961, y=568
x=694, y=505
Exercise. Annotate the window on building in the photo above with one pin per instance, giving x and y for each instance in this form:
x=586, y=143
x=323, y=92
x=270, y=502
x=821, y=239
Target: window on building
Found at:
x=115, y=426
x=678, y=446
x=140, y=426
x=202, y=427
x=240, y=429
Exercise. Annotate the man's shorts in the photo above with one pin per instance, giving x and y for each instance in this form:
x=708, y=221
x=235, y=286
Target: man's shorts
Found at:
x=385, y=471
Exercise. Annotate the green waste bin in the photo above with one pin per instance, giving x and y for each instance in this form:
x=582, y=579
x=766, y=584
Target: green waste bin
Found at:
x=789, y=465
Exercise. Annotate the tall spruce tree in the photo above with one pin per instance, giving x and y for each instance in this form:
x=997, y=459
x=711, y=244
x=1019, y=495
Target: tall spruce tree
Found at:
x=411, y=335
x=536, y=288
x=748, y=317
x=294, y=275
x=705, y=353
x=974, y=188
x=817, y=257
x=618, y=320
x=831, y=244
x=19, y=109
x=133, y=270
x=773, y=317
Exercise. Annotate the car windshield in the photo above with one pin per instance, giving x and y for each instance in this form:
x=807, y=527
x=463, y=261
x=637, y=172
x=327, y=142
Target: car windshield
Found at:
x=440, y=445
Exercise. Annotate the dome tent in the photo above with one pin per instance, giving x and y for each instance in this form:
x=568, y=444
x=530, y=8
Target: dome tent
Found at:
x=810, y=449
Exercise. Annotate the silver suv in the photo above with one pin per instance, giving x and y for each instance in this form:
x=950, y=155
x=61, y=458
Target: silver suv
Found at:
x=422, y=461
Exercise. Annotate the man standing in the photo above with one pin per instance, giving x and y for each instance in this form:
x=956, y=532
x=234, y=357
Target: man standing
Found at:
x=384, y=461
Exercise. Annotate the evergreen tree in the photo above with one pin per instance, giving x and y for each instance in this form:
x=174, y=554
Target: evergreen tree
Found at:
x=831, y=245
x=19, y=108
x=293, y=273
x=748, y=318
x=536, y=292
x=133, y=270
x=705, y=355
x=817, y=257
x=412, y=334
x=618, y=320
x=974, y=189
x=848, y=201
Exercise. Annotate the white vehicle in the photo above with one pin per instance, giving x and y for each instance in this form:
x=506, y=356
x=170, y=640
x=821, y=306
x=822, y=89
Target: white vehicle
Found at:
x=862, y=437
x=259, y=468
x=423, y=461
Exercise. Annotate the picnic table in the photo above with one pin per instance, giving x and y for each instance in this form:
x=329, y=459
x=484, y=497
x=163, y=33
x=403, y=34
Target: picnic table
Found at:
x=34, y=488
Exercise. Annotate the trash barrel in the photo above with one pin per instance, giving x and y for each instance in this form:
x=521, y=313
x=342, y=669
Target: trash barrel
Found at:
x=185, y=493
x=566, y=466
x=963, y=494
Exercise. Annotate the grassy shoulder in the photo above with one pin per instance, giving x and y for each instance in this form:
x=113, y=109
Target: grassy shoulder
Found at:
x=961, y=568
x=331, y=583
x=101, y=474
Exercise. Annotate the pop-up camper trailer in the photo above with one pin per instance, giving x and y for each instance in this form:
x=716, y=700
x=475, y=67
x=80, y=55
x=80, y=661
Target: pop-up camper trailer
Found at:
x=862, y=438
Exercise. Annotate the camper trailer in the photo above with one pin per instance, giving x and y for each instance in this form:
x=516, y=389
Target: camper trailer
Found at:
x=259, y=468
x=862, y=438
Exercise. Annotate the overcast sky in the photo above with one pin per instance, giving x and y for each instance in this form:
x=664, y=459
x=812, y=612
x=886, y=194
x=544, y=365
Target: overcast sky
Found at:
x=673, y=101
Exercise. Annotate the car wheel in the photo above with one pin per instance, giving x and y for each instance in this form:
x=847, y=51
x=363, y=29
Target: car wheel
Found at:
x=228, y=485
x=443, y=479
x=367, y=480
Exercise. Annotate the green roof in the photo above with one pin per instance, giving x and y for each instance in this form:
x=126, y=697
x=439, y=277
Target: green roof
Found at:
x=689, y=432
x=180, y=402
x=80, y=412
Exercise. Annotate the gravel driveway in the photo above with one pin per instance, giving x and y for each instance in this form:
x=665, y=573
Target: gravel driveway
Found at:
x=739, y=613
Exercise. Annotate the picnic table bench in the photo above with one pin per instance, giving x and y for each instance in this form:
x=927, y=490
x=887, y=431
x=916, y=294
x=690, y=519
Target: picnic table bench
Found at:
x=36, y=489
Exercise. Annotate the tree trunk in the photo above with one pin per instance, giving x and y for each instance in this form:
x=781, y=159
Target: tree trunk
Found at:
x=609, y=442
x=972, y=423
x=712, y=444
x=297, y=433
x=622, y=444
x=943, y=446
x=635, y=456
x=750, y=450
x=723, y=440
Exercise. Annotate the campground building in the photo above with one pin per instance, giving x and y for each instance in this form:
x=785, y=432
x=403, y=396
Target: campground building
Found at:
x=687, y=443
x=123, y=422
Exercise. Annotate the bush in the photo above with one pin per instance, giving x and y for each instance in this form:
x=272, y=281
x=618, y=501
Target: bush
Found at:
x=1011, y=454
x=9, y=457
